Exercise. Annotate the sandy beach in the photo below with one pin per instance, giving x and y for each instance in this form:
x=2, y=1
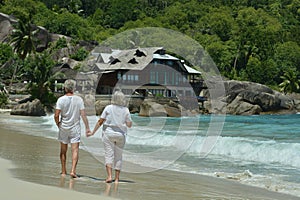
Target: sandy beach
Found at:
x=30, y=169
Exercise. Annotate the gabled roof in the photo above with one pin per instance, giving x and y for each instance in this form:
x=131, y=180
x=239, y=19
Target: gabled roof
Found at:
x=65, y=70
x=164, y=57
x=106, y=57
x=132, y=59
x=135, y=59
x=191, y=70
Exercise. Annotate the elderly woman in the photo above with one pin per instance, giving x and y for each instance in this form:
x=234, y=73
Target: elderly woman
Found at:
x=115, y=119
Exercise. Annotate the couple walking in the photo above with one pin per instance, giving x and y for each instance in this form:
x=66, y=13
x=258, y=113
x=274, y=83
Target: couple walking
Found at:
x=115, y=119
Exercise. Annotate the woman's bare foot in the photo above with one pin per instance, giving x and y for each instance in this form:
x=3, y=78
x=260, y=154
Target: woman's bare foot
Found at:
x=117, y=176
x=108, y=180
x=73, y=175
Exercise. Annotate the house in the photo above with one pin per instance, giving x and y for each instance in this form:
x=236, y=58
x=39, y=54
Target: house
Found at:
x=84, y=81
x=146, y=71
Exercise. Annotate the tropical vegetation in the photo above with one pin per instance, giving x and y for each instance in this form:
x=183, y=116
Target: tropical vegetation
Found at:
x=255, y=40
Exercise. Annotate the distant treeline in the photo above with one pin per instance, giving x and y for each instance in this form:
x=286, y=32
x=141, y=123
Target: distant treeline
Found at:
x=252, y=40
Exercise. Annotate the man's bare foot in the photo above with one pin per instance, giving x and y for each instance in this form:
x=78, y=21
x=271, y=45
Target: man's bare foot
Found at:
x=63, y=174
x=116, y=181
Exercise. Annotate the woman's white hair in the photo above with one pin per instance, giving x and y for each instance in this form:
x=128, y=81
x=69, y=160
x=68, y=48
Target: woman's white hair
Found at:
x=69, y=85
x=118, y=98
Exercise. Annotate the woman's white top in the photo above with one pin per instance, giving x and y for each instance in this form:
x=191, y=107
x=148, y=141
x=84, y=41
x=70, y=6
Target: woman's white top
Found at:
x=115, y=119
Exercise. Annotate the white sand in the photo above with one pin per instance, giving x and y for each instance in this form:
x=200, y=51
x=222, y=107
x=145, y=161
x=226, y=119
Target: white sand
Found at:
x=14, y=189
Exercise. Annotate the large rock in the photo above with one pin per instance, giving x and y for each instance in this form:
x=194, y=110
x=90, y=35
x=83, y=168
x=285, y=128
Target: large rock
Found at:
x=6, y=27
x=297, y=104
x=100, y=105
x=149, y=108
x=296, y=100
x=172, y=111
x=62, y=54
x=248, y=98
x=240, y=107
x=43, y=37
x=134, y=105
x=176, y=109
x=33, y=108
x=153, y=107
x=89, y=103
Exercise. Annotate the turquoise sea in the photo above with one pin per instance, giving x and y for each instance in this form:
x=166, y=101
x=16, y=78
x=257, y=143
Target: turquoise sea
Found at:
x=261, y=150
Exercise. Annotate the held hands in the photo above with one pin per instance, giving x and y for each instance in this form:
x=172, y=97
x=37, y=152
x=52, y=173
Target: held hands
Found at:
x=58, y=124
x=89, y=133
x=98, y=124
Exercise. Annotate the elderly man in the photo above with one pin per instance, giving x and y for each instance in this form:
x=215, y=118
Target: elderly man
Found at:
x=69, y=109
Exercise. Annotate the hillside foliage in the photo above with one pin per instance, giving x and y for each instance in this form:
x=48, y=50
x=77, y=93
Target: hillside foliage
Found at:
x=255, y=40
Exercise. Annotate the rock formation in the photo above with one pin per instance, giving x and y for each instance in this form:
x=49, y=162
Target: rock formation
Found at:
x=33, y=108
x=157, y=107
x=248, y=98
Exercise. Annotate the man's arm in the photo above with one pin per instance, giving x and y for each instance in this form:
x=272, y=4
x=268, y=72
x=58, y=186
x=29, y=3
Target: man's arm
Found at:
x=56, y=117
x=85, y=121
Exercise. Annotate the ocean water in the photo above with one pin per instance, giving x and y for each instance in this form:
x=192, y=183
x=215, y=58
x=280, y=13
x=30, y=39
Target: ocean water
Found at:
x=261, y=150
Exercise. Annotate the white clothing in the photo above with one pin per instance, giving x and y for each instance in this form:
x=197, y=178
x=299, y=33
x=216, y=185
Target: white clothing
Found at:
x=70, y=136
x=113, y=145
x=115, y=119
x=69, y=128
x=114, y=131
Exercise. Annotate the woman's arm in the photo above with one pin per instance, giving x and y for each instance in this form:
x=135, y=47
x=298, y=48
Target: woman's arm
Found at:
x=128, y=119
x=97, y=125
x=129, y=124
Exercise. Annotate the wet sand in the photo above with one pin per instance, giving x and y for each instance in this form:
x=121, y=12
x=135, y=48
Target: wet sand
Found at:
x=30, y=169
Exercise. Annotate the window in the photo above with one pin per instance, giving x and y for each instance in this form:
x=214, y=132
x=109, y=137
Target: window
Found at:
x=119, y=76
x=177, y=79
x=153, y=77
x=136, y=77
x=127, y=91
x=170, y=63
x=132, y=77
x=172, y=81
x=167, y=78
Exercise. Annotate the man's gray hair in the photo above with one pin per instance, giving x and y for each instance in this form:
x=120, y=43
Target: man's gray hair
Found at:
x=118, y=98
x=69, y=85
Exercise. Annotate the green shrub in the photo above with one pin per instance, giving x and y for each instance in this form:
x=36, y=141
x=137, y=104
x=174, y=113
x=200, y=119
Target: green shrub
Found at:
x=6, y=53
x=80, y=54
x=3, y=100
x=61, y=43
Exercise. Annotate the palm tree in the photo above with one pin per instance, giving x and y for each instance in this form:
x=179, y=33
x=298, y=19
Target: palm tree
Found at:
x=23, y=40
x=290, y=83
